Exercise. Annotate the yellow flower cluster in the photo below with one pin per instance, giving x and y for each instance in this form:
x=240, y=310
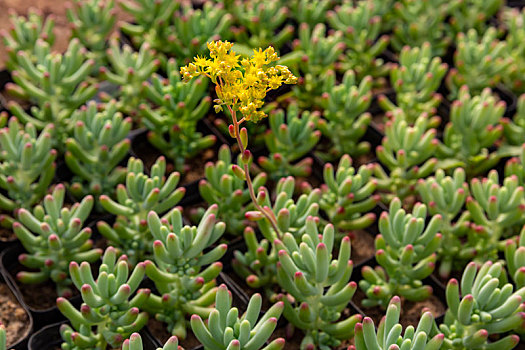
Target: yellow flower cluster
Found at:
x=241, y=84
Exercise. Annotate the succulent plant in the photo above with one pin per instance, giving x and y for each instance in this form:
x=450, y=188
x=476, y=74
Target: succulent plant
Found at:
x=3, y=339
x=483, y=304
x=515, y=258
x=193, y=28
x=318, y=286
x=135, y=343
x=288, y=141
x=53, y=236
x=495, y=211
x=320, y=48
x=107, y=304
x=514, y=167
x=406, y=254
x=347, y=195
x=446, y=196
x=472, y=130
x=26, y=165
x=185, y=288
x=417, y=22
x=97, y=146
x=514, y=130
x=229, y=192
x=388, y=335
x=185, y=32
x=514, y=77
x=24, y=34
x=140, y=195
x=315, y=53
x=226, y=330
x=472, y=14
x=344, y=120
x=416, y=80
x=261, y=24
x=129, y=70
x=361, y=27
x=406, y=152
x=480, y=62
x=92, y=22
x=173, y=123
x=56, y=83
x=291, y=214
x=257, y=264
x=309, y=11
x=151, y=19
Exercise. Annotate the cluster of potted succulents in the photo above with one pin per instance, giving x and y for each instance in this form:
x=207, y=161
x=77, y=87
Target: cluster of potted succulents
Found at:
x=299, y=174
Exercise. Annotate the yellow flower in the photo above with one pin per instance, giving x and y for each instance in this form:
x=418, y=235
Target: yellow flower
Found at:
x=200, y=62
x=259, y=57
x=275, y=81
x=240, y=85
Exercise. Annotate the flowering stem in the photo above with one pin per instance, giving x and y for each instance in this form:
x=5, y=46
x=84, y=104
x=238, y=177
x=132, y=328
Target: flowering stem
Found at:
x=267, y=213
x=234, y=85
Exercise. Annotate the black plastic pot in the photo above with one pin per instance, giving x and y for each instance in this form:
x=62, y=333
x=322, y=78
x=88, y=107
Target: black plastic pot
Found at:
x=21, y=343
x=509, y=98
x=443, y=111
x=6, y=244
x=389, y=56
x=48, y=338
x=515, y=3
x=5, y=77
x=41, y=317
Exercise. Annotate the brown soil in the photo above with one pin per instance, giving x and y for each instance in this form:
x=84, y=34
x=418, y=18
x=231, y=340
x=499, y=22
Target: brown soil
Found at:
x=159, y=331
x=379, y=122
x=195, y=166
x=294, y=341
x=266, y=304
x=247, y=290
x=189, y=212
x=101, y=243
x=453, y=274
x=362, y=246
x=364, y=159
x=410, y=311
x=13, y=316
x=6, y=235
x=39, y=296
x=381, y=89
x=55, y=7
x=312, y=180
